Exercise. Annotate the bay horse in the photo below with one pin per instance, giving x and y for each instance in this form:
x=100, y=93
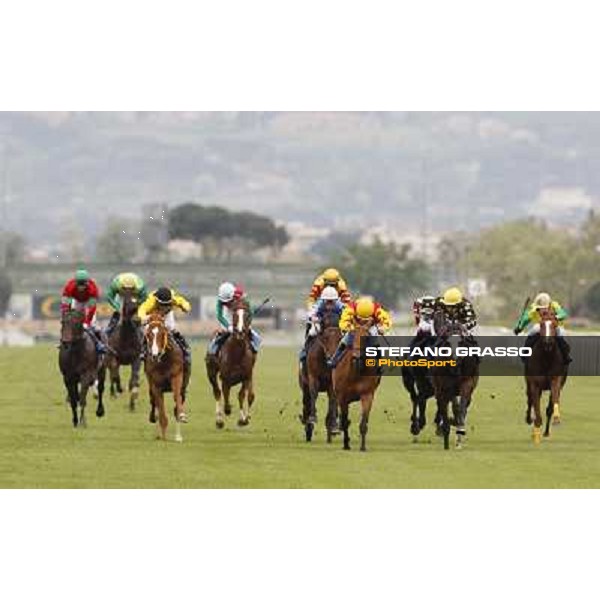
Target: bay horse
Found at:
x=351, y=383
x=126, y=343
x=234, y=366
x=315, y=377
x=80, y=365
x=545, y=370
x=164, y=364
x=453, y=385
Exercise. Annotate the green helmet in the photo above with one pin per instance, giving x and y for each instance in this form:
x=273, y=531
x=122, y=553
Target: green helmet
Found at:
x=82, y=276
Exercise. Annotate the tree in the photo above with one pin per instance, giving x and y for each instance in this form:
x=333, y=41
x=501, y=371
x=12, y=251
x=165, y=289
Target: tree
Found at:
x=222, y=232
x=118, y=242
x=382, y=270
x=5, y=291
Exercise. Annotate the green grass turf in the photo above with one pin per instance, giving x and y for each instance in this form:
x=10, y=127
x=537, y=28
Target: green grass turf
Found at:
x=40, y=448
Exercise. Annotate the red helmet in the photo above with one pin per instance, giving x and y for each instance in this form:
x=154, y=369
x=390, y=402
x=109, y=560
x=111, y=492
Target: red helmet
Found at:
x=239, y=291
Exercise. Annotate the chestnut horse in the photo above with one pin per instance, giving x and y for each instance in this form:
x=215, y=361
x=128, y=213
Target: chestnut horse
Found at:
x=545, y=371
x=164, y=370
x=234, y=366
x=80, y=365
x=352, y=382
x=315, y=377
x=126, y=343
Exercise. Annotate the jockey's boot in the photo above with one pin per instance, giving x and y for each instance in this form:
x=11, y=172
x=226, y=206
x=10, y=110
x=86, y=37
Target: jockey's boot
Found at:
x=95, y=335
x=565, y=349
x=114, y=321
x=335, y=359
x=185, y=347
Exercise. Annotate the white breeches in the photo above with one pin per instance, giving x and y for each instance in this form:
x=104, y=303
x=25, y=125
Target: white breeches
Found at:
x=535, y=328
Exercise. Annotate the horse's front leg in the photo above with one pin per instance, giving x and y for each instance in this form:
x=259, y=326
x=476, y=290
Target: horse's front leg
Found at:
x=100, y=389
x=134, y=383
x=443, y=402
x=556, y=389
x=73, y=393
x=85, y=386
x=244, y=412
x=332, y=416
x=366, y=402
x=177, y=387
x=535, y=398
x=344, y=421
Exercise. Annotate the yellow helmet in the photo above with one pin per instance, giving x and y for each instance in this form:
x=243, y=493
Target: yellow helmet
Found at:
x=128, y=280
x=331, y=276
x=452, y=296
x=365, y=307
x=542, y=300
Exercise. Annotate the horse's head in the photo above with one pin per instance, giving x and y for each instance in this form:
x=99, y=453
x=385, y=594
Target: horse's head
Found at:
x=71, y=330
x=330, y=338
x=129, y=306
x=330, y=318
x=548, y=325
x=157, y=336
x=240, y=319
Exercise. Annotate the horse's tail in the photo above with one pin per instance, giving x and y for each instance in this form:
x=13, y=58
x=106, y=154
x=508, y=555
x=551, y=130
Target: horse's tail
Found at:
x=212, y=370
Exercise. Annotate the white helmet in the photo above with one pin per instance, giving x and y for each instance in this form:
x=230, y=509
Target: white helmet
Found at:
x=329, y=293
x=542, y=300
x=226, y=291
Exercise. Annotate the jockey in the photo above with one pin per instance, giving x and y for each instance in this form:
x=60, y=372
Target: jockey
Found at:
x=81, y=293
x=121, y=283
x=164, y=301
x=328, y=304
x=226, y=295
x=329, y=277
x=423, y=309
x=458, y=309
x=364, y=310
x=531, y=316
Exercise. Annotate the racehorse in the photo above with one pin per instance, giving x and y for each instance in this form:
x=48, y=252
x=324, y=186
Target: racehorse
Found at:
x=80, y=365
x=453, y=384
x=126, y=343
x=315, y=377
x=545, y=371
x=164, y=366
x=234, y=366
x=353, y=382
x=417, y=382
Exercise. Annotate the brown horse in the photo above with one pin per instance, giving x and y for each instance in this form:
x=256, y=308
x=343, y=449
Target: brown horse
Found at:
x=454, y=385
x=80, y=365
x=164, y=370
x=234, y=365
x=545, y=370
x=126, y=343
x=352, y=383
x=315, y=377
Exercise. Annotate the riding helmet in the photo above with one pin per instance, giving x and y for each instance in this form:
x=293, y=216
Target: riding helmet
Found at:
x=164, y=295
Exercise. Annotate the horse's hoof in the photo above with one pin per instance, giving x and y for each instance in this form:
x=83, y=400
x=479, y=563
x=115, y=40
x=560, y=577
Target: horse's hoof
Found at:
x=183, y=418
x=227, y=410
x=179, y=439
x=100, y=412
x=131, y=407
x=537, y=436
x=220, y=424
x=555, y=420
x=152, y=418
x=415, y=439
x=363, y=449
x=546, y=434
x=243, y=422
x=346, y=446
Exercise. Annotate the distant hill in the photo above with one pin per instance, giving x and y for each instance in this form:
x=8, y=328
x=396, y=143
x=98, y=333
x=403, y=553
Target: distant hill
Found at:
x=70, y=170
